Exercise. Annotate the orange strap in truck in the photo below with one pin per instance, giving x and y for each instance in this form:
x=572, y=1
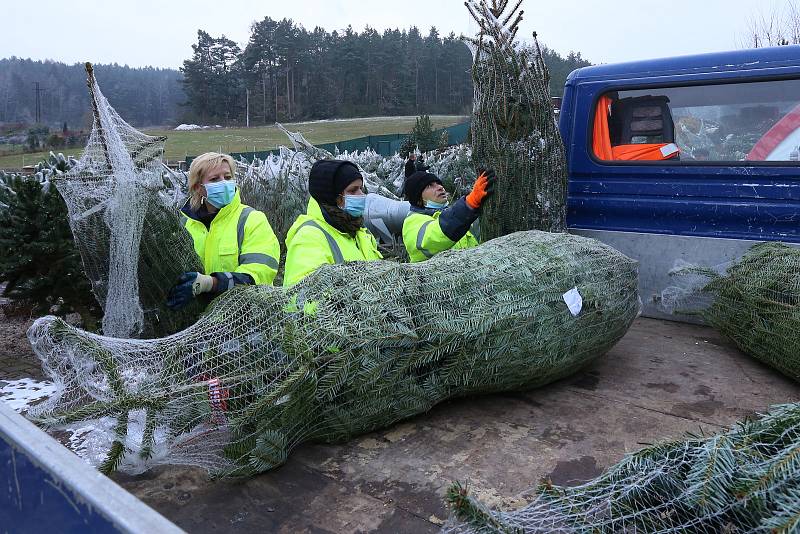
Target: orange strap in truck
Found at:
x=601, y=140
x=645, y=152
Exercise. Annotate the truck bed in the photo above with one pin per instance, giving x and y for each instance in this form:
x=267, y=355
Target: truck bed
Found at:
x=661, y=380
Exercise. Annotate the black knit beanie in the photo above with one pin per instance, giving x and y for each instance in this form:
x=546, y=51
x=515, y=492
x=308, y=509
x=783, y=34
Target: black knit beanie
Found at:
x=416, y=184
x=329, y=177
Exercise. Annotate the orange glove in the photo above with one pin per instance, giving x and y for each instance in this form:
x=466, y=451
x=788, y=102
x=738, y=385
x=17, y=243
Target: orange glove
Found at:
x=484, y=186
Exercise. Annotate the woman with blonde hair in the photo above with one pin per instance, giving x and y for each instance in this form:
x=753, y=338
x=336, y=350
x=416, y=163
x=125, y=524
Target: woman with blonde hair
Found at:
x=235, y=242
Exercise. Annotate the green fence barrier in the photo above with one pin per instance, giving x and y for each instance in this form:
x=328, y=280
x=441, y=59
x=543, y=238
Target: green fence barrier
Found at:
x=386, y=145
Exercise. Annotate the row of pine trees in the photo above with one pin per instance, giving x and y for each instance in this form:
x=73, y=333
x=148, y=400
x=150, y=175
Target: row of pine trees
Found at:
x=286, y=72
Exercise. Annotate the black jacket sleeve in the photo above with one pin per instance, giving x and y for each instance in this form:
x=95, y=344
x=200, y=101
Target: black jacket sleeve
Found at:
x=226, y=281
x=456, y=220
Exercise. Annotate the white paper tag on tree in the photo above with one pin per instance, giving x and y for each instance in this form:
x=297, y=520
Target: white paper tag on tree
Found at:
x=574, y=301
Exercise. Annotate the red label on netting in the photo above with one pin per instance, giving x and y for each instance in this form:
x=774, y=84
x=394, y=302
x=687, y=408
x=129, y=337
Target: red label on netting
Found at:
x=217, y=396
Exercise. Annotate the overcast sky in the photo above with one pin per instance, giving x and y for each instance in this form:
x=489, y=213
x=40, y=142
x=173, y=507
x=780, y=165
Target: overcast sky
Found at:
x=160, y=33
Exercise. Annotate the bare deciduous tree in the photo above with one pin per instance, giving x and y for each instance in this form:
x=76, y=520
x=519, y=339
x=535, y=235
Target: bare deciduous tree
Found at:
x=779, y=26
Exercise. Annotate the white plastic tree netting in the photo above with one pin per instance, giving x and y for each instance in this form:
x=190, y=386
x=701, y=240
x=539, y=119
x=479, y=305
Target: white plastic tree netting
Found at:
x=513, y=126
x=754, y=301
x=351, y=348
x=742, y=480
x=122, y=211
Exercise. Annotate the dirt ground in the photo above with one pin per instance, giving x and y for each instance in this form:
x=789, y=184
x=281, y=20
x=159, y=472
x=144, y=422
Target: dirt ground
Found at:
x=17, y=359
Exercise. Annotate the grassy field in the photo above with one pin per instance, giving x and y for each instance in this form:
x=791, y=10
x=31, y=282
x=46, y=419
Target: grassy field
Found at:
x=193, y=142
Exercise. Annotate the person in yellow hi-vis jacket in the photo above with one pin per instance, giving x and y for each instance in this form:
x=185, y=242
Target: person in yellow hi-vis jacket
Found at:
x=331, y=231
x=431, y=226
x=235, y=242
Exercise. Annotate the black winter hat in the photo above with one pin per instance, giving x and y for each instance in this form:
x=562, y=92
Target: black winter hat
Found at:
x=329, y=177
x=416, y=184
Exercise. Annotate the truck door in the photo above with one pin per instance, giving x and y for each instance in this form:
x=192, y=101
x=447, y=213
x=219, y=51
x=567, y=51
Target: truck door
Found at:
x=716, y=170
x=725, y=161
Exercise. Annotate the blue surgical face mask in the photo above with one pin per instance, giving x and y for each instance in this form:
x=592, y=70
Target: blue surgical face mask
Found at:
x=354, y=204
x=435, y=205
x=220, y=194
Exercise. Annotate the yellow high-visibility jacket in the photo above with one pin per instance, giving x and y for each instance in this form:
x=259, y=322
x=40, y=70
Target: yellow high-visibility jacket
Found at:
x=239, y=240
x=312, y=242
x=426, y=231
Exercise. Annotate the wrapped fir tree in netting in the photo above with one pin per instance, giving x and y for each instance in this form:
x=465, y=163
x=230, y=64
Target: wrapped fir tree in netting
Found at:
x=351, y=348
x=513, y=128
x=453, y=166
x=755, y=302
x=742, y=480
x=277, y=186
x=122, y=213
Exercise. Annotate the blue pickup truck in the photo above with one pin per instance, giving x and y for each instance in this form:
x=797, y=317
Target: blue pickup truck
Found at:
x=689, y=158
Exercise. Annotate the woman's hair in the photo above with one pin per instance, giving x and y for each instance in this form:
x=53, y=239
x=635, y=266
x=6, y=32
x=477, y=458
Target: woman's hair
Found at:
x=199, y=167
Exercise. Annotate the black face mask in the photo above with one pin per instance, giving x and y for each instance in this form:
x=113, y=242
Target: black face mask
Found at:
x=341, y=220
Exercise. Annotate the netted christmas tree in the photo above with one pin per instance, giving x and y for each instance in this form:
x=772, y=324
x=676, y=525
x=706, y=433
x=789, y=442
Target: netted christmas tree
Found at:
x=277, y=186
x=755, y=302
x=370, y=162
x=122, y=212
x=453, y=166
x=513, y=128
x=349, y=349
x=742, y=480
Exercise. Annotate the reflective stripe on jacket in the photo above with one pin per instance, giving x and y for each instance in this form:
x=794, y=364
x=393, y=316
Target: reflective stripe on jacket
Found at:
x=427, y=232
x=239, y=240
x=312, y=242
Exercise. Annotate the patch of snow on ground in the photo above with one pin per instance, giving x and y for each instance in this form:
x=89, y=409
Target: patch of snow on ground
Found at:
x=20, y=394
x=373, y=119
x=183, y=127
x=91, y=440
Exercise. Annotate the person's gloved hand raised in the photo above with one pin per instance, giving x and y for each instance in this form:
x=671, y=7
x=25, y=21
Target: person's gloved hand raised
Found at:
x=188, y=286
x=484, y=187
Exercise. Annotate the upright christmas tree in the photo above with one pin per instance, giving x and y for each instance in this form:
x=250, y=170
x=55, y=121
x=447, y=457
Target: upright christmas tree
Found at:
x=513, y=127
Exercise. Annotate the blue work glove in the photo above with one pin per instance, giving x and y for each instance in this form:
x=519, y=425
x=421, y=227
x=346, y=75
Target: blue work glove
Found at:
x=188, y=286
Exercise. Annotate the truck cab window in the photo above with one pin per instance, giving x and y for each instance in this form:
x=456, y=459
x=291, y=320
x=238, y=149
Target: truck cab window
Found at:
x=733, y=122
x=641, y=120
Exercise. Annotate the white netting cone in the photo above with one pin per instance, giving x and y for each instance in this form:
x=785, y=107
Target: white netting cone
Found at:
x=124, y=215
x=350, y=348
x=121, y=215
